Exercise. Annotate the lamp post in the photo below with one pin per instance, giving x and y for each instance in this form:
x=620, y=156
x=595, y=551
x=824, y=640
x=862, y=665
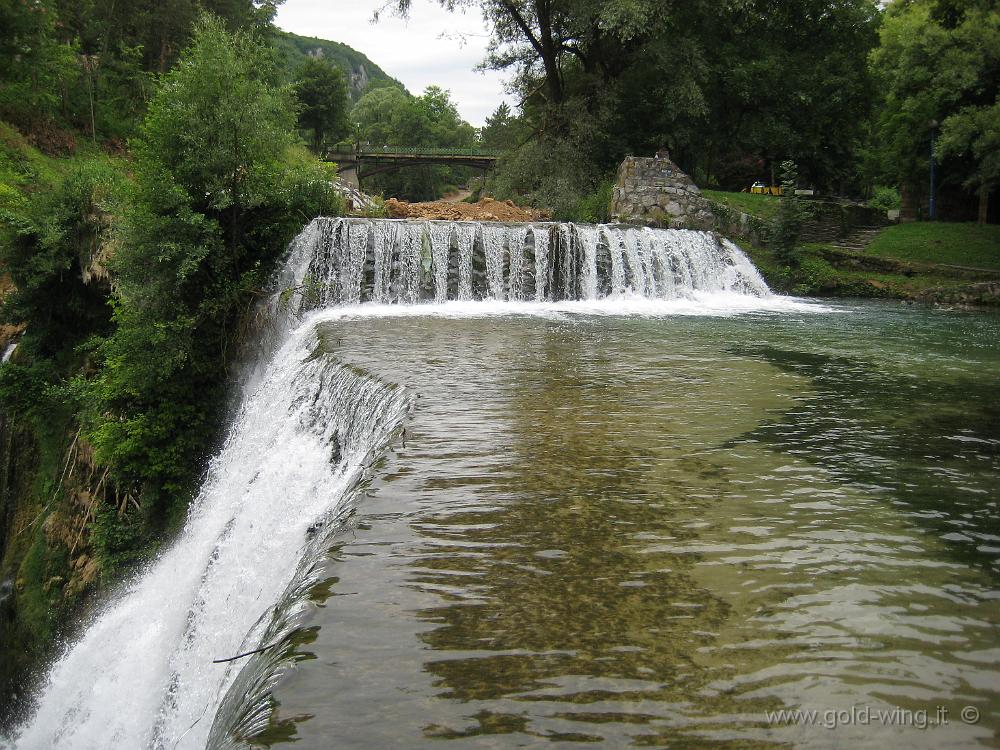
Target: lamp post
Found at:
x=933, y=203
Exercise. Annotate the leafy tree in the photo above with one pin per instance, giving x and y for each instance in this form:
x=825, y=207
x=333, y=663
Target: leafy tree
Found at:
x=791, y=215
x=388, y=116
x=215, y=201
x=322, y=91
x=543, y=35
x=86, y=64
x=751, y=82
x=785, y=81
x=502, y=129
x=54, y=249
x=545, y=172
x=938, y=61
x=36, y=66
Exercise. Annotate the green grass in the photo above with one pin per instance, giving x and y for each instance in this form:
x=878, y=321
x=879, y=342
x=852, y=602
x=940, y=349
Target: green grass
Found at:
x=762, y=206
x=24, y=169
x=26, y=172
x=816, y=275
x=974, y=245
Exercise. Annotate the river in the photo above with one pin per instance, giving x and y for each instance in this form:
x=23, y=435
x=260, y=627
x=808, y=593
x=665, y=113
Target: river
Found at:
x=636, y=531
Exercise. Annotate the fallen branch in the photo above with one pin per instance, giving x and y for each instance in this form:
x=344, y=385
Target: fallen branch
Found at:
x=247, y=653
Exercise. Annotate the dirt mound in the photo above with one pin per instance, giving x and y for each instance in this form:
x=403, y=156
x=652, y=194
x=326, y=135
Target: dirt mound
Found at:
x=486, y=209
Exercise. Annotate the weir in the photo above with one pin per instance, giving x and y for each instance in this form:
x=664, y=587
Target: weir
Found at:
x=352, y=261
x=145, y=673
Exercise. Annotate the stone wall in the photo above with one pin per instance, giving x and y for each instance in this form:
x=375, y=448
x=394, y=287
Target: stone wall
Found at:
x=656, y=192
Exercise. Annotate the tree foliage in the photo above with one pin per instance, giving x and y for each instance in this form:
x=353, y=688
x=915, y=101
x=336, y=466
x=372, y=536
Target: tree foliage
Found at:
x=54, y=244
x=784, y=235
x=731, y=89
x=503, y=130
x=389, y=116
x=321, y=89
x=90, y=64
x=215, y=200
x=939, y=61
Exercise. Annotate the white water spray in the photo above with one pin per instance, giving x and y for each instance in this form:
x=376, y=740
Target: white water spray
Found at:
x=142, y=675
x=387, y=261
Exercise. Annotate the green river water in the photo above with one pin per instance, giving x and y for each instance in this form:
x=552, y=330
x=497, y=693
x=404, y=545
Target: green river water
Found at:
x=617, y=532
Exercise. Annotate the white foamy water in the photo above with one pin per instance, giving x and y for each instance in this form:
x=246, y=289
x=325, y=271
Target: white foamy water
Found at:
x=143, y=675
x=405, y=262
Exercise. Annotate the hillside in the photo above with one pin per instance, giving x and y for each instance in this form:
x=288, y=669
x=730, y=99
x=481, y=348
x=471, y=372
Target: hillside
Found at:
x=293, y=49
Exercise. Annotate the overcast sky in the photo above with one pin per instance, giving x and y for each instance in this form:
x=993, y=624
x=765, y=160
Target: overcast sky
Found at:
x=432, y=47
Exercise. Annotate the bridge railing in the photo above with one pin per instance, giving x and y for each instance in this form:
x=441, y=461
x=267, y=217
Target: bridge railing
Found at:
x=484, y=153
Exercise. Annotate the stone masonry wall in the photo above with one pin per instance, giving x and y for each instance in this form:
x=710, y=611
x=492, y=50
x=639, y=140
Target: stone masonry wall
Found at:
x=656, y=192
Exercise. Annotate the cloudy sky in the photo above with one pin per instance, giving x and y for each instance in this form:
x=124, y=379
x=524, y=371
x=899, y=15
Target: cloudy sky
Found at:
x=432, y=47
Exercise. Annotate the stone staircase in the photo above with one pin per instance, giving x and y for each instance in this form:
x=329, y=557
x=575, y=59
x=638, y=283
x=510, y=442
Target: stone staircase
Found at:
x=858, y=239
x=825, y=233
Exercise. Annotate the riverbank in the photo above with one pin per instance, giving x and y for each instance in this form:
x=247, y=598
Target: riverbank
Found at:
x=928, y=262
x=825, y=271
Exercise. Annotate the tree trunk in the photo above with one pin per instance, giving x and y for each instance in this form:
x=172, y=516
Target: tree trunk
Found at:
x=984, y=204
x=549, y=53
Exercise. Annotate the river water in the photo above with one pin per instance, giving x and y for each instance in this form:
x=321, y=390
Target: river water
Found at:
x=656, y=530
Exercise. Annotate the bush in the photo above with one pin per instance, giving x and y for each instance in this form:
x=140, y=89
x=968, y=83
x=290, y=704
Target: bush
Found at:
x=56, y=241
x=787, y=225
x=545, y=173
x=596, y=207
x=885, y=198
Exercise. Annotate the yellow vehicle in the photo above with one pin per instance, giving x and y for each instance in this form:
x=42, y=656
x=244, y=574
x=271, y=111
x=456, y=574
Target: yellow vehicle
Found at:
x=759, y=188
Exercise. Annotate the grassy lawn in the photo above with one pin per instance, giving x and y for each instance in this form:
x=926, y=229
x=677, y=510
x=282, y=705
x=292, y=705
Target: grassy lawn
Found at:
x=975, y=245
x=818, y=276
x=762, y=206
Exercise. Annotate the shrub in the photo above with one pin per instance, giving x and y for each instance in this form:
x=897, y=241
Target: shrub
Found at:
x=885, y=198
x=545, y=173
x=595, y=208
x=792, y=214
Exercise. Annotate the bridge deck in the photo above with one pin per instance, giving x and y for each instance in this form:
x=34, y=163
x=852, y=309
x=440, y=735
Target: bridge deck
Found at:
x=414, y=152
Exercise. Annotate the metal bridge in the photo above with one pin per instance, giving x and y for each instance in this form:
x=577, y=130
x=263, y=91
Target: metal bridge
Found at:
x=365, y=161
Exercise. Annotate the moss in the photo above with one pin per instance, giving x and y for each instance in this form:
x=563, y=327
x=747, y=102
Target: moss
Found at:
x=120, y=541
x=33, y=556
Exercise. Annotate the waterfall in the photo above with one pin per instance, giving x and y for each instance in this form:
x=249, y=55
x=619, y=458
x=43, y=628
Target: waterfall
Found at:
x=144, y=673
x=403, y=262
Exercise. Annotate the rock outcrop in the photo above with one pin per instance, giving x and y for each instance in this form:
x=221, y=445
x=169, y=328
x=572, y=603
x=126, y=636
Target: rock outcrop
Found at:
x=656, y=192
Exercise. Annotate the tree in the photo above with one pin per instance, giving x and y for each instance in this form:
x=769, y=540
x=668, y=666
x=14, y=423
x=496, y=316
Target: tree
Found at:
x=390, y=116
x=749, y=81
x=785, y=81
x=502, y=129
x=791, y=215
x=938, y=62
x=215, y=201
x=322, y=91
x=975, y=131
x=531, y=35
x=36, y=66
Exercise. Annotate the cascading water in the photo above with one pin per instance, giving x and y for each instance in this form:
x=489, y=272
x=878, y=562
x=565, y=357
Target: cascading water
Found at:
x=143, y=674
x=387, y=261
